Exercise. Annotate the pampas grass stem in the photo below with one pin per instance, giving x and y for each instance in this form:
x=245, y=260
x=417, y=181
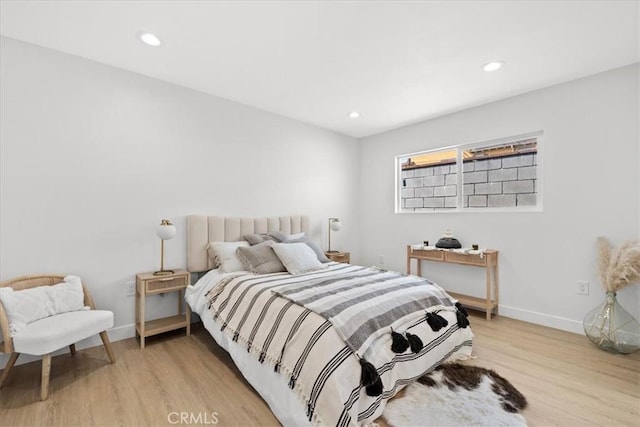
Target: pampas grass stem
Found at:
x=618, y=267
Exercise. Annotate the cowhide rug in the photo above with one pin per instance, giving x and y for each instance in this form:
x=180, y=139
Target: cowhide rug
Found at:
x=457, y=395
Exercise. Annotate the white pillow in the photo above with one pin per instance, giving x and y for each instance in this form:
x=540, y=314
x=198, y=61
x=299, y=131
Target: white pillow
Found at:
x=296, y=236
x=67, y=296
x=297, y=257
x=224, y=255
x=29, y=305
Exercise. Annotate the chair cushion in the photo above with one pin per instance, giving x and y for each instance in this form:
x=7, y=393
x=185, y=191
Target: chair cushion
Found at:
x=28, y=305
x=47, y=335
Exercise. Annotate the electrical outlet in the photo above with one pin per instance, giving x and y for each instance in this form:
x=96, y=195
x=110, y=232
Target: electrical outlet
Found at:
x=381, y=260
x=582, y=287
x=131, y=288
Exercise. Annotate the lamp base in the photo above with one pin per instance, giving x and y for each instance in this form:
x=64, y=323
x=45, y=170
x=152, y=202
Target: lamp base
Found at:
x=163, y=272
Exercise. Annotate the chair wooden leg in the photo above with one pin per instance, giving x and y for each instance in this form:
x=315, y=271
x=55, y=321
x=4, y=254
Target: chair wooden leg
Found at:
x=46, y=369
x=72, y=349
x=7, y=368
x=107, y=346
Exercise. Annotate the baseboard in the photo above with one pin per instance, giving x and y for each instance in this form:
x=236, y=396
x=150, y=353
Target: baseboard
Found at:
x=128, y=331
x=115, y=334
x=543, y=319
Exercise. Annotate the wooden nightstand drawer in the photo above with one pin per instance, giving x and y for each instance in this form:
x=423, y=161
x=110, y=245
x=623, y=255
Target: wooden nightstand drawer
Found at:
x=166, y=284
x=339, y=256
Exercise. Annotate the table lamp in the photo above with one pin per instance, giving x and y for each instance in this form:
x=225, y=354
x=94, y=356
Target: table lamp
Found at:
x=165, y=231
x=334, y=224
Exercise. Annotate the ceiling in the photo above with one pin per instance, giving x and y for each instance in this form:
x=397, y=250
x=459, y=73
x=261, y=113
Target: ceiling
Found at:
x=394, y=62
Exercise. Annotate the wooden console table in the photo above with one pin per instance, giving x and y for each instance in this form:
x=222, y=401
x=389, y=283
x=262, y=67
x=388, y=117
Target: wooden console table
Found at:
x=488, y=260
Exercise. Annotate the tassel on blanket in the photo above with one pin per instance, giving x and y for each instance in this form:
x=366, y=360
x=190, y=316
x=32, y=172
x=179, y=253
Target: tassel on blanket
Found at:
x=375, y=389
x=309, y=412
x=235, y=337
x=399, y=343
x=462, y=309
x=444, y=321
x=292, y=383
x=436, y=321
x=276, y=368
x=261, y=357
x=370, y=379
x=369, y=373
x=463, y=322
x=414, y=342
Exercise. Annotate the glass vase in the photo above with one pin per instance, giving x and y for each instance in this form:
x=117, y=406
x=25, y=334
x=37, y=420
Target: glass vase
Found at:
x=612, y=328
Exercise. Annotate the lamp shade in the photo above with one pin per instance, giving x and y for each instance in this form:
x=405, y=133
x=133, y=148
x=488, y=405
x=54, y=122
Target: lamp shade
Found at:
x=335, y=224
x=166, y=230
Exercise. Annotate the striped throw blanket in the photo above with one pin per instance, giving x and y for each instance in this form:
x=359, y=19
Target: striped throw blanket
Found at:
x=307, y=350
x=363, y=306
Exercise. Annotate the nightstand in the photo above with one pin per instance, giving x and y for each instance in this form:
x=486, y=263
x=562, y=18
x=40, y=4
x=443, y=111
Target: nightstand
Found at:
x=339, y=256
x=148, y=284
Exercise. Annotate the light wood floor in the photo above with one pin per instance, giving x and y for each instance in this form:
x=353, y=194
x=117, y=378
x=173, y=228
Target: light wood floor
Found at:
x=567, y=381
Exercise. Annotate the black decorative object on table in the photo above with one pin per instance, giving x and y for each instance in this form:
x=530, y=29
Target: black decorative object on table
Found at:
x=448, y=241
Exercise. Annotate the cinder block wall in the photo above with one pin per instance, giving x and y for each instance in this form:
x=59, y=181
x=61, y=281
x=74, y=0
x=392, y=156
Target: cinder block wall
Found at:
x=500, y=182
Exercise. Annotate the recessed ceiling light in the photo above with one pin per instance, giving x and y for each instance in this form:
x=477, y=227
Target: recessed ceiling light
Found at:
x=150, y=39
x=354, y=114
x=493, y=66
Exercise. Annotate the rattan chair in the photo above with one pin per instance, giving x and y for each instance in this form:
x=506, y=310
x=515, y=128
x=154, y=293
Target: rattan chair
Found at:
x=44, y=333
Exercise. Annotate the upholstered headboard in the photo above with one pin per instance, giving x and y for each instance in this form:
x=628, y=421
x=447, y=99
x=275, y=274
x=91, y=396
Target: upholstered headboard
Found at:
x=202, y=229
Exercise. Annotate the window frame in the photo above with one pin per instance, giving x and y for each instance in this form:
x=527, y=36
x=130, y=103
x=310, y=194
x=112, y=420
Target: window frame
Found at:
x=539, y=135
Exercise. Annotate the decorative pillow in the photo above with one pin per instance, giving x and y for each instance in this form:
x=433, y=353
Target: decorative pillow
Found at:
x=260, y=259
x=224, y=255
x=321, y=256
x=281, y=237
x=297, y=257
x=255, y=239
x=67, y=296
x=28, y=305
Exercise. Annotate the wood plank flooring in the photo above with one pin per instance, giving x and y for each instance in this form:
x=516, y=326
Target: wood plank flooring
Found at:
x=567, y=381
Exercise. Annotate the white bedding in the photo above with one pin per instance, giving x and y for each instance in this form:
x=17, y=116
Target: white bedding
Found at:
x=300, y=403
x=284, y=403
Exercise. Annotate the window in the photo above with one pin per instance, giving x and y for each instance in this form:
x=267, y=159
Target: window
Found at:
x=496, y=174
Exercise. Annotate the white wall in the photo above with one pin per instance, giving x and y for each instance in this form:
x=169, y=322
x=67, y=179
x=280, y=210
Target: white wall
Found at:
x=93, y=157
x=591, y=188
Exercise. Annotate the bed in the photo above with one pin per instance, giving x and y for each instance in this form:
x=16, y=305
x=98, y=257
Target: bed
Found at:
x=297, y=359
